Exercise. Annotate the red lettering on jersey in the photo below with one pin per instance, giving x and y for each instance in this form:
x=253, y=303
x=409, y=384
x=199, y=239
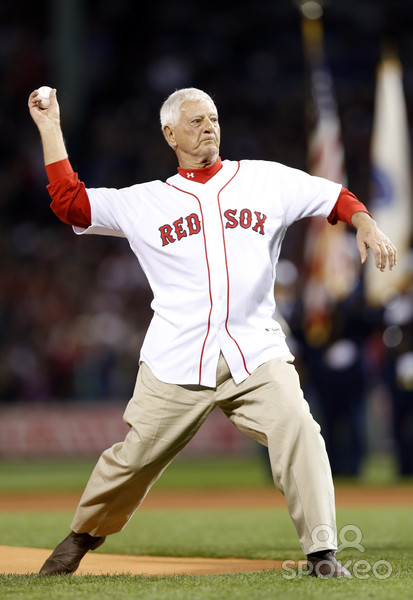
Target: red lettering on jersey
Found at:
x=231, y=220
x=194, y=225
x=259, y=225
x=166, y=235
x=245, y=218
x=180, y=233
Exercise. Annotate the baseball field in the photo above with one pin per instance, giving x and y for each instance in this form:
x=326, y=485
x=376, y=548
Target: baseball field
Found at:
x=208, y=529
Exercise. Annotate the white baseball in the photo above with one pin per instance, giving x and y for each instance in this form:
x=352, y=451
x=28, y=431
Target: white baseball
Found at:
x=43, y=96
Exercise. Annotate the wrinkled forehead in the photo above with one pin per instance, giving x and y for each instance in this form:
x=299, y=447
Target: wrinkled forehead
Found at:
x=192, y=108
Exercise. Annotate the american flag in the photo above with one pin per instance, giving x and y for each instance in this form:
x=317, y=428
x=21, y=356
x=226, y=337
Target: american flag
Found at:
x=329, y=257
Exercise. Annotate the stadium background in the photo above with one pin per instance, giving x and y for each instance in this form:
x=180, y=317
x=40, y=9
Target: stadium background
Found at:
x=73, y=312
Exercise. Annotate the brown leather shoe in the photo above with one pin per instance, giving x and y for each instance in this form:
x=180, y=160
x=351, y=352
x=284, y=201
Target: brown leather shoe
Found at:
x=67, y=555
x=325, y=565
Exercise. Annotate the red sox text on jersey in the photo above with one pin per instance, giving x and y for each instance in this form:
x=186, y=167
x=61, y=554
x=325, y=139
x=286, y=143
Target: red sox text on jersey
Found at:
x=179, y=230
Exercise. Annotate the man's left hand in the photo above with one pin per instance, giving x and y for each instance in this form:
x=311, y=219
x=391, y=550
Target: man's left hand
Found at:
x=370, y=236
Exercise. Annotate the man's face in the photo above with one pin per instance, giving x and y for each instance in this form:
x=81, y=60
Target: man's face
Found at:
x=197, y=133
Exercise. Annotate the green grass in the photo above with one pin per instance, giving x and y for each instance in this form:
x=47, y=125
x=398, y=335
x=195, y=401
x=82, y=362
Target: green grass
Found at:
x=252, y=586
x=244, y=472
x=71, y=475
x=254, y=533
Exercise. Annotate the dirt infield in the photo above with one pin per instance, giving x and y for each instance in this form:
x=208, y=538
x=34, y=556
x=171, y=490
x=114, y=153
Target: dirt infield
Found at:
x=29, y=560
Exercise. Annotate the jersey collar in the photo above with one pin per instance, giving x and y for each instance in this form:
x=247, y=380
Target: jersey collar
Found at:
x=201, y=175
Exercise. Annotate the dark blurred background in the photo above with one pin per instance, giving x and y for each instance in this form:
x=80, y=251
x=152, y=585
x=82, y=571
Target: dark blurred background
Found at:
x=73, y=312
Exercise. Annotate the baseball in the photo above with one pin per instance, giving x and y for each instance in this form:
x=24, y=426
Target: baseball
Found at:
x=43, y=94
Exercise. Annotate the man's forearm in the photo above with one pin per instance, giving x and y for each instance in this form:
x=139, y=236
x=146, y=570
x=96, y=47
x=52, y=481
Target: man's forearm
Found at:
x=54, y=148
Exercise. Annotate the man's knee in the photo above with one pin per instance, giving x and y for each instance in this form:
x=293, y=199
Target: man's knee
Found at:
x=294, y=427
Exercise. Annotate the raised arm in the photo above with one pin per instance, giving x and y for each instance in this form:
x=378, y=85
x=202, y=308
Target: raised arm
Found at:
x=70, y=201
x=48, y=124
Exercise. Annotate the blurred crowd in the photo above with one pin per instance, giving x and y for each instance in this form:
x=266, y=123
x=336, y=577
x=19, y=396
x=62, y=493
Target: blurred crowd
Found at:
x=73, y=312
x=357, y=374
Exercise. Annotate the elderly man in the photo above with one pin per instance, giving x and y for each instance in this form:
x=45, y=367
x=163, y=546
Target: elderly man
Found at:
x=208, y=240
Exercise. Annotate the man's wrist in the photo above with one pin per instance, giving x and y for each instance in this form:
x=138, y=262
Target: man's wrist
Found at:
x=360, y=218
x=49, y=126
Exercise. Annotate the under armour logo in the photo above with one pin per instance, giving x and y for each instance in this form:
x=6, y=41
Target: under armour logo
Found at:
x=190, y=175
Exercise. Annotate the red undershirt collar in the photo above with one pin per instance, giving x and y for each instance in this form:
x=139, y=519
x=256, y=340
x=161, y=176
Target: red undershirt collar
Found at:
x=201, y=175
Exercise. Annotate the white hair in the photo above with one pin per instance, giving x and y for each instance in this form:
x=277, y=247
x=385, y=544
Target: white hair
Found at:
x=170, y=110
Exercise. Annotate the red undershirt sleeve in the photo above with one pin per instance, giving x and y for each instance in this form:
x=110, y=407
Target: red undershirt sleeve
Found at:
x=347, y=204
x=70, y=201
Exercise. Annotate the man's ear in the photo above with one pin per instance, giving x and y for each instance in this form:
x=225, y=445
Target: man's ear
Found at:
x=169, y=136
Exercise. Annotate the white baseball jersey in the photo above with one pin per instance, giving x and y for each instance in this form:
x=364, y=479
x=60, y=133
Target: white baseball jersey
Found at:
x=210, y=251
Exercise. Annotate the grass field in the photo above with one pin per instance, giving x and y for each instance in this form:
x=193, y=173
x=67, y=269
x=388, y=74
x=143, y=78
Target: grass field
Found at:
x=249, y=533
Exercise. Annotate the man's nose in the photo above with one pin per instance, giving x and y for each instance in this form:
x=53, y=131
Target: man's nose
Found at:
x=209, y=125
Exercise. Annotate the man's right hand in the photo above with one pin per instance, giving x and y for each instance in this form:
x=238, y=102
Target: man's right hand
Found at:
x=44, y=117
x=48, y=123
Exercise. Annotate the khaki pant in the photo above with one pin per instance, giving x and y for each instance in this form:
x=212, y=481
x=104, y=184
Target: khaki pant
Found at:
x=268, y=406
